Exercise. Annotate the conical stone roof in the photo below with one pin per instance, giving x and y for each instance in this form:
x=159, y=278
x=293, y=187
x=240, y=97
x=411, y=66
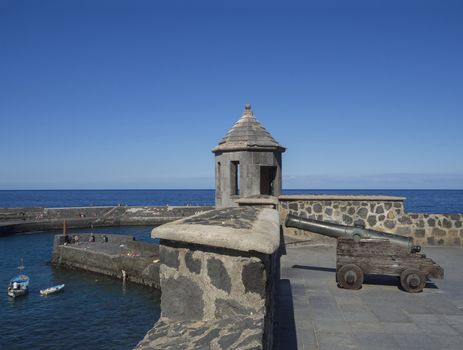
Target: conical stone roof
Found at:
x=248, y=134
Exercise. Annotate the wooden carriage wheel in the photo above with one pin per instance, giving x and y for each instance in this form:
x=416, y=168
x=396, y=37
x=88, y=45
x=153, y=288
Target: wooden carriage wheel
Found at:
x=350, y=276
x=412, y=280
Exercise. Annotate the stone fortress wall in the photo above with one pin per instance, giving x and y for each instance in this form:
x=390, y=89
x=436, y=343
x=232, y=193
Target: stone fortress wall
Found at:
x=218, y=274
x=382, y=213
x=15, y=220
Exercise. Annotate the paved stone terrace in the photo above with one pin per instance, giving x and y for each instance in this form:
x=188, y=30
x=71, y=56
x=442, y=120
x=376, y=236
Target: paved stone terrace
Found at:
x=314, y=313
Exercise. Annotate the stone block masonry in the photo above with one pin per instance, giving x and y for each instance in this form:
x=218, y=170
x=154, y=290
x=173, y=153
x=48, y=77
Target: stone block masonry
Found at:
x=16, y=220
x=139, y=260
x=218, y=275
x=382, y=213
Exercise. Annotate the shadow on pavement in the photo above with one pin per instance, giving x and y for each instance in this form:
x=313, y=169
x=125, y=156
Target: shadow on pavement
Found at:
x=314, y=268
x=369, y=279
x=285, y=328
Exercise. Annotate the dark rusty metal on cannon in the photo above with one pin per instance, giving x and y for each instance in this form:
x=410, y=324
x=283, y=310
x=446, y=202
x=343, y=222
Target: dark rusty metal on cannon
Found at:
x=362, y=251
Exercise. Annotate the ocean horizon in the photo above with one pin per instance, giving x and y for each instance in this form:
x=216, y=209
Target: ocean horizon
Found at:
x=417, y=200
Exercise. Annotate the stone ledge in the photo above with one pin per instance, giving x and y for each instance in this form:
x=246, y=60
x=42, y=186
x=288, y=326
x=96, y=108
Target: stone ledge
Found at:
x=258, y=200
x=338, y=197
x=244, y=229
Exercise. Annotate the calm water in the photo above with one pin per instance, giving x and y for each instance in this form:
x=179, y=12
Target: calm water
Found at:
x=418, y=201
x=93, y=312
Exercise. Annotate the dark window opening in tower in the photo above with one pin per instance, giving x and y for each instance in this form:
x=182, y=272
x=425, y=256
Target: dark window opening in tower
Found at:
x=267, y=180
x=235, y=178
x=219, y=180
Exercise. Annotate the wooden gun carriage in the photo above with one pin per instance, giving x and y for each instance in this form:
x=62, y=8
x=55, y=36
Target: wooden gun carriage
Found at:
x=363, y=252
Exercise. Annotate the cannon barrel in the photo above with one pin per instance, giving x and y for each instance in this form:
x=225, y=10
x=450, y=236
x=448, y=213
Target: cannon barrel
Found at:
x=335, y=230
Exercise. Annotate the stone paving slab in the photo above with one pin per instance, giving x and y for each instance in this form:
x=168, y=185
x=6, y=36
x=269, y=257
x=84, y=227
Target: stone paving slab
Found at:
x=313, y=313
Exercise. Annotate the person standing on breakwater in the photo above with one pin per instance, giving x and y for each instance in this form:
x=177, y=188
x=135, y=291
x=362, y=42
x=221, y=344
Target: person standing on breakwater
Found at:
x=105, y=239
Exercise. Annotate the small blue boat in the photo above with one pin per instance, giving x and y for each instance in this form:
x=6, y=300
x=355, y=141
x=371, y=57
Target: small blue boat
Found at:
x=19, y=285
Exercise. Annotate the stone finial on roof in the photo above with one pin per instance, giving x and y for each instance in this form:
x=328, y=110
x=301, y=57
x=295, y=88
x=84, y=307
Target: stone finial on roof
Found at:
x=248, y=134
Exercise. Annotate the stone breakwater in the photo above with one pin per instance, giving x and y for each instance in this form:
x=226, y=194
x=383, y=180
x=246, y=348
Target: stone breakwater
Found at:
x=16, y=220
x=382, y=213
x=219, y=272
x=119, y=255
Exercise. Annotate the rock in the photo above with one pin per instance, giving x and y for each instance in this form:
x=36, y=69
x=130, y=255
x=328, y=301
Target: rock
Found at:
x=347, y=220
x=438, y=232
x=185, y=301
x=446, y=223
x=253, y=341
x=405, y=220
x=227, y=340
x=390, y=224
x=363, y=212
x=194, y=265
x=317, y=208
x=218, y=274
x=379, y=209
x=431, y=222
x=371, y=220
x=230, y=308
x=253, y=276
x=293, y=206
x=169, y=257
x=204, y=342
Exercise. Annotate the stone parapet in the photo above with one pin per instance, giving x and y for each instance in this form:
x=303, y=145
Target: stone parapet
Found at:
x=218, y=290
x=244, y=229
x=337, y=197
x=382, y=213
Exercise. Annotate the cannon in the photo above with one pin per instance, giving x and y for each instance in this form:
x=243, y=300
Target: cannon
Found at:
x=356, y=232
x=363, y=251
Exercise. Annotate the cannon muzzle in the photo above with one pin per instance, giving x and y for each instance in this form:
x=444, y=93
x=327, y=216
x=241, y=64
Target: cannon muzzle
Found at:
x=335, y=230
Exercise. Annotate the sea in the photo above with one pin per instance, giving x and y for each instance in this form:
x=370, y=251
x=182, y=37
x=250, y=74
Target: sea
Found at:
x=99, y=312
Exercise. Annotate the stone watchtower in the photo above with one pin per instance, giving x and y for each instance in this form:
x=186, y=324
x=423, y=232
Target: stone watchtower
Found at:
x=247, y=162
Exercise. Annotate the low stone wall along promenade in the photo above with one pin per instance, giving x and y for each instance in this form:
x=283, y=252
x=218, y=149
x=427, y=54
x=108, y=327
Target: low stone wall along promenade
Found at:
x=382, y=213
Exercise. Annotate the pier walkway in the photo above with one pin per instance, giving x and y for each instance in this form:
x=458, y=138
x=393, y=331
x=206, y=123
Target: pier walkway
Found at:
x=313, y=313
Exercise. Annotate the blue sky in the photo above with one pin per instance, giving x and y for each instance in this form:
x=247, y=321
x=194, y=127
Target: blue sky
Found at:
x=135, y=94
